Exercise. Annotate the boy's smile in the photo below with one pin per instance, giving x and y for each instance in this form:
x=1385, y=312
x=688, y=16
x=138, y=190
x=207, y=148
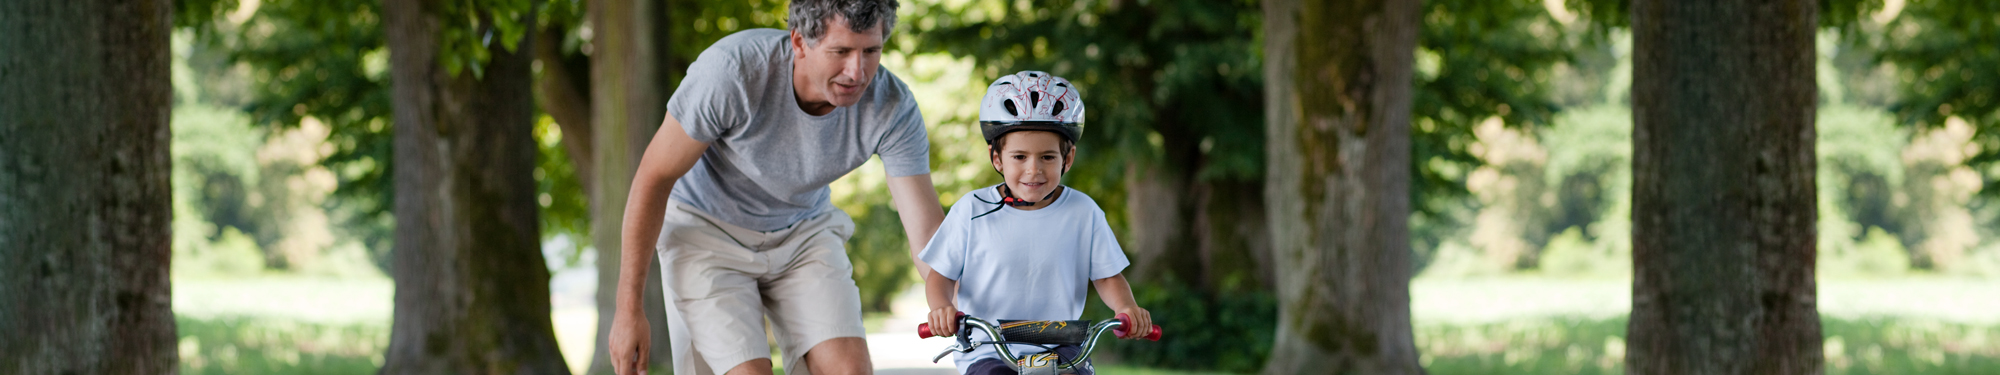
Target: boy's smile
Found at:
x=1031, y=163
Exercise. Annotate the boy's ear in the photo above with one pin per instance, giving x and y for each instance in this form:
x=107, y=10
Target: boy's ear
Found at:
x=993, y=155
x=1069, y=158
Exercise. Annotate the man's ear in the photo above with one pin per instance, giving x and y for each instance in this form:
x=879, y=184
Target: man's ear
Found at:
x=798, y=44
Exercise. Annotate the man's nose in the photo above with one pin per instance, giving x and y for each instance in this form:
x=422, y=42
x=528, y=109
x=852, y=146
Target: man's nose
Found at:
x=852, y=68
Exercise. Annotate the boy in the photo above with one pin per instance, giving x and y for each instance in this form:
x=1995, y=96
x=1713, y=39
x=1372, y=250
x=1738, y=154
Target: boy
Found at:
x=1023, y=249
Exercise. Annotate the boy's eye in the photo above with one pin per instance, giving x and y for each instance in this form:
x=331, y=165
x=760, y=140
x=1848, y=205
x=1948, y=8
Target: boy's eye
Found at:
x=1020, y=157
x=1048, y=158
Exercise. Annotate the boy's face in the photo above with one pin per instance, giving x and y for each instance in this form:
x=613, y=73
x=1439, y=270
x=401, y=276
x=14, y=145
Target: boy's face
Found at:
x=1032, y=163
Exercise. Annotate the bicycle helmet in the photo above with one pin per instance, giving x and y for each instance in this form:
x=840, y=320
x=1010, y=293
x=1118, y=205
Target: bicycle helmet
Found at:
x=1031, y=100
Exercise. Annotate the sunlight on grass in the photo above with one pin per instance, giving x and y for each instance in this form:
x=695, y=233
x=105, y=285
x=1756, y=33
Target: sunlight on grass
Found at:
x=276, y=346
x=290, y=325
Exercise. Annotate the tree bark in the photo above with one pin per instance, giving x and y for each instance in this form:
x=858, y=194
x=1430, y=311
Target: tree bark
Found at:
x=1338, y=88
x=1723, y=198
x=472, y=289
x=85, y=202
x=626, y=108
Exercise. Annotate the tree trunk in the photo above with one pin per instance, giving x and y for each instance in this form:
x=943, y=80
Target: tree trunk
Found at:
x=561, y=95
x=85, y=203
x=472, y=289
x=1723, y=197
x=1156, y=203
x=1338, y=89
x=626, y=107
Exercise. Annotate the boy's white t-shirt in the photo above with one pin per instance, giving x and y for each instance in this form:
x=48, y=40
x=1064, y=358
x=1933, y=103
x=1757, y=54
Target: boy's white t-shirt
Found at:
x=1023, y=265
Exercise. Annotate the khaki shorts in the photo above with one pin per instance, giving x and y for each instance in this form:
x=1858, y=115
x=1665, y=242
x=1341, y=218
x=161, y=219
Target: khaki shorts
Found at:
x=723, y=281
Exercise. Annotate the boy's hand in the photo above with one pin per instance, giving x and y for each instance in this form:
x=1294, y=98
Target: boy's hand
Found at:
x=944, y=321
x=1141, y=323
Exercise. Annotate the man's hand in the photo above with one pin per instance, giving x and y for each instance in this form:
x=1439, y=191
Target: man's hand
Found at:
x=1139, y=325
x=631, y=342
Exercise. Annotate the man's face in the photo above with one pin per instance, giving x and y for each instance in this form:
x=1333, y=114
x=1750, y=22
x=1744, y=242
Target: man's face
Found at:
x=1032, y=163
x=840, y=67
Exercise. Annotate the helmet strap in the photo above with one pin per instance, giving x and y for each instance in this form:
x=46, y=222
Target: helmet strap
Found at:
x=1007, y=197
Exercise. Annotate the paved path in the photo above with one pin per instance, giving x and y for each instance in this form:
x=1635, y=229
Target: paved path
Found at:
x=895, y=347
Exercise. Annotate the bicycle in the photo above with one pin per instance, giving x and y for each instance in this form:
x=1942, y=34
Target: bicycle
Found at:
x=1042, y=333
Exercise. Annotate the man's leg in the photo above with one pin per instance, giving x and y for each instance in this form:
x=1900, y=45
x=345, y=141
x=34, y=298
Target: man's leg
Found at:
x=840, y=356
x=714, y=297
x=814, y=306
x=760, y=366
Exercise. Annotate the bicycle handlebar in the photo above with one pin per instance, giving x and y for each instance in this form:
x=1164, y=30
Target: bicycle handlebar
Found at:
x=924, y=329
x=997, y=334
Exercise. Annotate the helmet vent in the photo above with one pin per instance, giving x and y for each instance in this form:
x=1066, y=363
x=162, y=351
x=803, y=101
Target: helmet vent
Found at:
x=1010, y=108
x=1035, y=99
x=1058, y=110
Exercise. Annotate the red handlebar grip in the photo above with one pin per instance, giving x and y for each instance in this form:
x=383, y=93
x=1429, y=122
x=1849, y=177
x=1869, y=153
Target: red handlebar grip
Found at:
x=924, y=329
x=1127, y=320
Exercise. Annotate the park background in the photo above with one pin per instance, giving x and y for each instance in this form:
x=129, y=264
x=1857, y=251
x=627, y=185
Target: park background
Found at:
x=282, y=224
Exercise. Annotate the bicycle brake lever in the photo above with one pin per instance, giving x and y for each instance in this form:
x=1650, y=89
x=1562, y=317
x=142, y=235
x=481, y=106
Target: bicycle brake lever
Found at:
x=947, y=351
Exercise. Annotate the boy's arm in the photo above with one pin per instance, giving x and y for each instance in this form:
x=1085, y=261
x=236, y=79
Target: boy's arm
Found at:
x=1117, y=294
x=939, y=290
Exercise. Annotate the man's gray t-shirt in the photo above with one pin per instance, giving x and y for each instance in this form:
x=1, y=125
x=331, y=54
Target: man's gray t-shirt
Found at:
x=768, y=163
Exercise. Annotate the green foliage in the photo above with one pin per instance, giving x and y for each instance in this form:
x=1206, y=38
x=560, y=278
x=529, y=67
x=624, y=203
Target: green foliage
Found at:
x=565, y=206
x=1475, y=60
x=1570, y=254
x=472, y=26
x=1607, y=15
x=328, y=61
x=197, y=12
x=1943, y=53
x=323, y=60
x=1226, y=332
x=698, y=24
x=1163, y=80
x=880, y=253
x=1877, y=254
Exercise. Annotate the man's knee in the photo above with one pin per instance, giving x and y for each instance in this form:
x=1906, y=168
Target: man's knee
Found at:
x=840, y=356
x=759, y=366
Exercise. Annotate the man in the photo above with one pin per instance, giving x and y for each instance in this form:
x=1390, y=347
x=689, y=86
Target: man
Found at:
x=733, y=190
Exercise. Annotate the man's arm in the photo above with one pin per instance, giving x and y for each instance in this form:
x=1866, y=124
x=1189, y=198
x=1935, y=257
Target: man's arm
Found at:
x=670, y=155
x=916, y=202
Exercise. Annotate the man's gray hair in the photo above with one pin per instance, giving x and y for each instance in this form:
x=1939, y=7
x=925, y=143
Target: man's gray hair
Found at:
x=810, y=17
